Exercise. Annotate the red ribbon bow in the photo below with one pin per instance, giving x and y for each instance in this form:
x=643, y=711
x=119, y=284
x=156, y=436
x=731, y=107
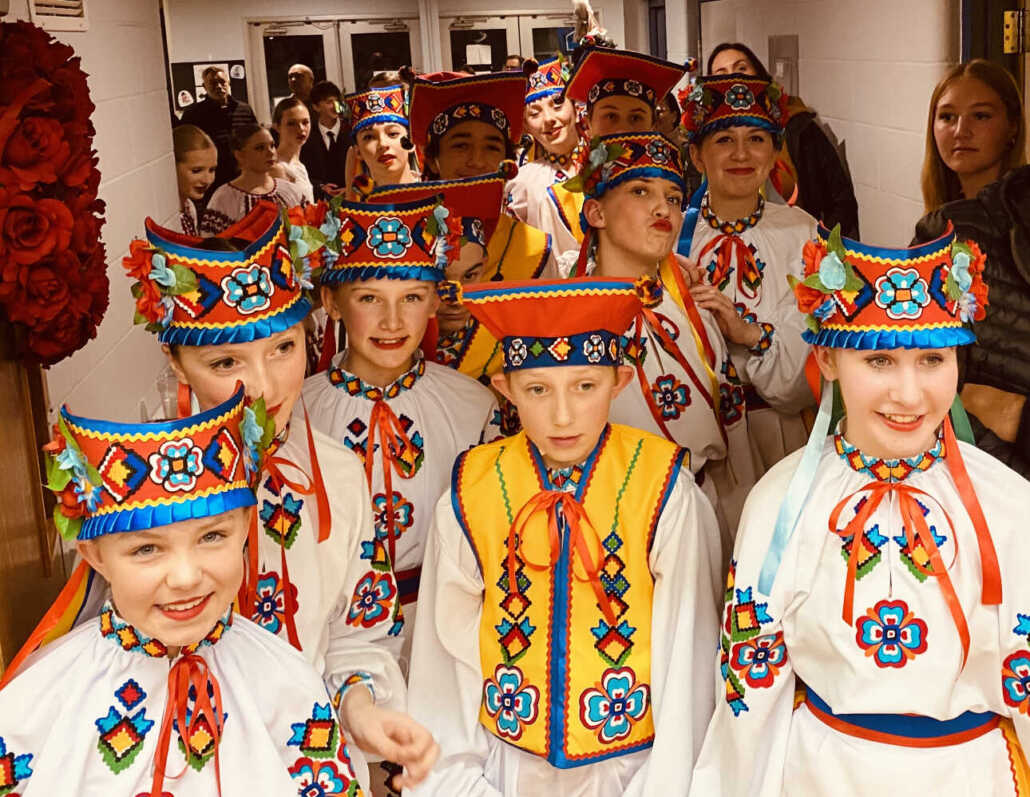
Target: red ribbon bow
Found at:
x=747, y=269
x=393, y=446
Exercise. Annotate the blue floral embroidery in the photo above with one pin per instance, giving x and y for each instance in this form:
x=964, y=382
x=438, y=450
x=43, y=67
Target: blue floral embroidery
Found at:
x=511, y=701
x=14, y=769
x=671, y=396
x=616, y=706
x=1015, y=681
x=902, y=293
x=176, y=465
x=739, y=97
x=389, y=237
x=891, y=634
x=270, y=609
x=248, y=290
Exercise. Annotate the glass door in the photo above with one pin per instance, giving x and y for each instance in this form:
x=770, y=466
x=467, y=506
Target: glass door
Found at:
x=542, y=36
x=279, y=45
x=370, y=46
x=478, y=44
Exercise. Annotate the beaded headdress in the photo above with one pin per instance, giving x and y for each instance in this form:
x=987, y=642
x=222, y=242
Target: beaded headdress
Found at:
x=717, y=102
x=376, y=106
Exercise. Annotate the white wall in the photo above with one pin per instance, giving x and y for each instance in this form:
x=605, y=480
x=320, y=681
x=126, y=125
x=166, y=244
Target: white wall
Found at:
x=122, y=54
x=869, y=69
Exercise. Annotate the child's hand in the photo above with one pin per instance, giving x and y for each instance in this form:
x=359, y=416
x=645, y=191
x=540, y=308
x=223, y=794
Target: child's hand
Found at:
x=734, y=328
x=692, y=272
x=389, y=735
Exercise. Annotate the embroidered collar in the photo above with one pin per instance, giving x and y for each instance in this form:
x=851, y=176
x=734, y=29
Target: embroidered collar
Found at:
x=893, y=470
x=563, y=162
x=731, y=227
x=129, y=639
x=354, y=385
x=572, y=479
x=565, y=479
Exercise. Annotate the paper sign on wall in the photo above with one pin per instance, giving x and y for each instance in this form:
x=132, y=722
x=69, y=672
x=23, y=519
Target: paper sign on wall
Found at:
x=478, y=54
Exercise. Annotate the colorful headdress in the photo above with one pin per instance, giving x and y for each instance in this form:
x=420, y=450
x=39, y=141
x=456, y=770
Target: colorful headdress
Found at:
x=543, y=323
x=376, y=106
x=396, y=241
x=866, y=297
x=602, y=72
x=716, y=102
x=548, y=80
x=496, y=98
x=112, y=477
x=195, y=295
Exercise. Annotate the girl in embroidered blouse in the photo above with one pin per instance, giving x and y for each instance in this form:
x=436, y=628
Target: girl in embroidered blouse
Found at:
x=307, y=580
x=291, y=121
x=196, y=160
x=745, y=249
x=882, y=569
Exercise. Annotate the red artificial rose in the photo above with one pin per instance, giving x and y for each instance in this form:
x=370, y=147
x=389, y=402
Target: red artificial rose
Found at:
x=37, y=151
x=42, y=295
x=69, y=504
x=82, y=161
x=137, y=262
x=24, y=43
x=69, y=93
x=67, y=333
x=97, y=285
x=808, y=298
x=812, y=255
x=32, y=229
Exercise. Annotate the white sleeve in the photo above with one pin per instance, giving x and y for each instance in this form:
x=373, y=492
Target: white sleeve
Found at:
x=445, y=680
x=778, y=371
x=684, y=561
x=517, y=198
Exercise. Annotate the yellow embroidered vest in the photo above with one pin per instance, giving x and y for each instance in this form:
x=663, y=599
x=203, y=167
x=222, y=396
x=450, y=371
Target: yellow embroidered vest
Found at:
x=569, y=204
x=515, y=251
x=560, y=681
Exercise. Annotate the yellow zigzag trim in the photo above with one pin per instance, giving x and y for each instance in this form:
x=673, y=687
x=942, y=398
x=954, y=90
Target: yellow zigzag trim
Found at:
x=382, y=264
x=530, y=293
x=107, y=510
x=241, y=321
x=221, y=263
x=892, y=328
x=861, y=257
x=136, y=437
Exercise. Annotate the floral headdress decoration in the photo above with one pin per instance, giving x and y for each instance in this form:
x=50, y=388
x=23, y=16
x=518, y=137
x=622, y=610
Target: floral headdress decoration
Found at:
x=112, y=477
x=863, y=297
x=548, y=80
x=376, y=106
x=717, y=102
x=313, y=232
x=195, y=292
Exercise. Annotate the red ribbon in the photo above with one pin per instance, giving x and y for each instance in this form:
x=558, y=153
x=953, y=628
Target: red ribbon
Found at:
x=190, y=670
x=729, y=244
x=576, y=519
x=393, y=442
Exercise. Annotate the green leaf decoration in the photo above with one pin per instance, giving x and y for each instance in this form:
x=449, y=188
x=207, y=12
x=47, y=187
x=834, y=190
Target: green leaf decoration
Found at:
x=852, y=282
x=813, y=281
x=835, y=244
x=266, y=422
x=137, y=290
x=812, y=323
x=792, y=281
x=56, y=477
x=963, y=247
x=574, y=184
x=185, y=280
x=615, y=151
x=951, y=288
x=139, y=318
x=67, y=527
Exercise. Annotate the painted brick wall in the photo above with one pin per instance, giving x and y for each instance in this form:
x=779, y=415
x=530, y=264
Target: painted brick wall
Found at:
x=123, y=56
x=869, y=69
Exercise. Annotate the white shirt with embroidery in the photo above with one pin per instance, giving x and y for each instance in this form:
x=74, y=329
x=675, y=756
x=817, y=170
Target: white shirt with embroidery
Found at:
x=528, y=200
x=900, y=654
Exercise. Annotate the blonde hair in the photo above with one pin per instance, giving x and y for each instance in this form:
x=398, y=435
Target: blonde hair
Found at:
x=187, y=138
x=940, y=184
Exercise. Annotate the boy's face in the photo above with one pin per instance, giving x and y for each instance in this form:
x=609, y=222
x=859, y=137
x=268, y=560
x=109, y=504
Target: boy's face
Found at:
x=327, y=110
x=173, y=582
x=470, y=149
x=895, y=398
x=641, y=216
x=272, y=367
x=466, y=269
x=563, y=409
x=385, y=321
x=618, y=114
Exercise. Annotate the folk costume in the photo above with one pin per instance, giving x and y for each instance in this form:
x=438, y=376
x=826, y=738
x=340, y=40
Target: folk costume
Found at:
x=603, y=72
x=687, y=388
x=406, y=434
x=308, y=577
x=560, y=647
x=891, y=591
x=229, y=204
x=750, y=261
x=384, y=105
x=515, y=250
x=104, y=709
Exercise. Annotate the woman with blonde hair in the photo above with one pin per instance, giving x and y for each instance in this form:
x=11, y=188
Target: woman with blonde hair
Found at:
x=975, y=132
x=196, y=160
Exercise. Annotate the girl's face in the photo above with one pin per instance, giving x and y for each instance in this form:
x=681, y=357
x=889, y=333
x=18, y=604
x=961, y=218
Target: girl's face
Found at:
x=258, y=154
x=379, y=146
x=272, y=367
x=385, y=321
x=641, y=217
x=467, y=269
x=895, y=398
x=620, y=114
x=196, y=172
x=971, y=128
x=736, y=161
x=294, y=126
x=732, y=62
x=470, y=149
x=552, y=123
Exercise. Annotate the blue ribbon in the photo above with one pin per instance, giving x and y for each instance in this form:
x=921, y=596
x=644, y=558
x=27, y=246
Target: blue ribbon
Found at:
x=690, y=219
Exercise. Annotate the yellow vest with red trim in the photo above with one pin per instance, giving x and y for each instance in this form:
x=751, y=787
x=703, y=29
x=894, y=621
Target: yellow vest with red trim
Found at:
x=515, y=251
x=559, y=682
x=569, y=205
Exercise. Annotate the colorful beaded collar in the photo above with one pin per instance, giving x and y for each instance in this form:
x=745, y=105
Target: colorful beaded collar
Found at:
x=132, y=641
x=565, y=480
x=566, y=160
x=888, y=470
x=731, y=227
x=354, y=385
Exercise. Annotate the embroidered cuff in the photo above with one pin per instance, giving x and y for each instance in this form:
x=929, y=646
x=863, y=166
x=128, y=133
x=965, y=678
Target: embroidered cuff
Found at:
x=765, y=341
x=352, y=680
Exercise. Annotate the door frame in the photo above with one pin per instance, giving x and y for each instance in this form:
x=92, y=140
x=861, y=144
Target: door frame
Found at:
x=479, y=21
x=368, y=24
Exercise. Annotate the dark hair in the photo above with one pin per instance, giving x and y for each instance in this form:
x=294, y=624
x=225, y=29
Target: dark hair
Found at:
x=756, y=62
x=211, y=70
x=241, y=135
x=432, y=152
x=672, y=104
x=323, y=90
x=284, y=105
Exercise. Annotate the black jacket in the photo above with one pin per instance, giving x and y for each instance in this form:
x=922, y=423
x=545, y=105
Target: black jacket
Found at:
x=998, y=219
x=326, y=166
x=824, y=185
x=218, y=123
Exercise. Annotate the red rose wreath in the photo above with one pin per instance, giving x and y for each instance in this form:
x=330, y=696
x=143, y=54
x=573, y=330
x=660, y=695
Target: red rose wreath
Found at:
x=53, y=267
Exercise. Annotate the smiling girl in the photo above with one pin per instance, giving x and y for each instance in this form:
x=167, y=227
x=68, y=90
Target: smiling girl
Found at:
x=196, y=161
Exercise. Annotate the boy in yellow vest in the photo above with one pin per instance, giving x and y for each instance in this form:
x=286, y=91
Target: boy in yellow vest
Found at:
x=567, y=609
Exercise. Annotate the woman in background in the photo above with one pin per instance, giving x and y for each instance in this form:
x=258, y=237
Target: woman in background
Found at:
x=291, y=121
x=196, y=160
x=975, y=133
x=256, y=155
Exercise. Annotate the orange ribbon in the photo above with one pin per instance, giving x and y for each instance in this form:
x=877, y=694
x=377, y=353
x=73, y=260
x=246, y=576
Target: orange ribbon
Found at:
x=393, y=443
x=576, y=520
x=190, y=670
x=729, y=244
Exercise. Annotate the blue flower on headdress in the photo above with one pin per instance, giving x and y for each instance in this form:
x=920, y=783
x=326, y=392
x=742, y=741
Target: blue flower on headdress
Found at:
x=960, y=271
x=389, y=237
x=297, y=239
x=598, y=155
x=169, y=308
x=161, y=274
x=331, y=226
x=825, y=310
x=374, y=104
x=832, y=273
x=739, y=97
x=967, y=307
x=440, y=214
x=633, y=88
x=659, y=152
x=248, y=289
x=252, y=433
x=902, y=293
x=72, y=459
x=697, y=93
x=88, y=493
